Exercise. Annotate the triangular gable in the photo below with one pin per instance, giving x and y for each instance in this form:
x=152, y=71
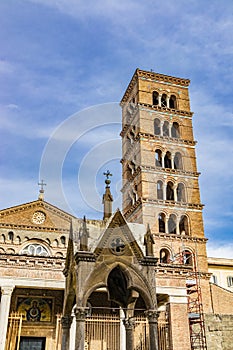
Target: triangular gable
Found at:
x=35, y=215
x=118, y=239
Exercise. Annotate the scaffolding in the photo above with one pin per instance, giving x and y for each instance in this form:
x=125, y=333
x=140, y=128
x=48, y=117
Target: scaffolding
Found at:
x=195, y=306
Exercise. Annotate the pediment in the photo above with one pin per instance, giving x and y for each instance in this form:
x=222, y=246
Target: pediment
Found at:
x=36, y=215
x=118, y=240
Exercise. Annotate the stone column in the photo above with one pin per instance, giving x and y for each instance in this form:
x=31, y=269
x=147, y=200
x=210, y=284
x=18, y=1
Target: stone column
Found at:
x=66, y=323
x=129, y=330
x=4, y=313
x=160, y=98
x=152, y=316
x=175, y=192
x=161, y=128
x=172, y=160
x=167, y=101
x=164, y=191
x=163, y=163
x=80, y=314
x=166, y=225
x=178, y=226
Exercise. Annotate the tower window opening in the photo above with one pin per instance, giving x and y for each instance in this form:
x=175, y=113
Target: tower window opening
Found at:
x=164, y=256
x=172, y=224
x=175, y=131
x=187, y=258
x=184, y=225
x=63, y=240
x=158, y=158
x=166, y=128
x=157, y=126
x=155, y=97
x=170, y=191
x=159, y=189
x=178, y=161
x=164, y=100
x=11, y=236
x=167, y=160
x=161, y=219
x=180, y=193
x=172, y=102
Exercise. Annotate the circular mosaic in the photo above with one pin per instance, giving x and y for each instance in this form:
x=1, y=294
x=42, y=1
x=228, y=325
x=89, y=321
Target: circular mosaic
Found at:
x=38, y=217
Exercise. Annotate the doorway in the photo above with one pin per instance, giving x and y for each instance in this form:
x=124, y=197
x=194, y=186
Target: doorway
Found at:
x=32, y=343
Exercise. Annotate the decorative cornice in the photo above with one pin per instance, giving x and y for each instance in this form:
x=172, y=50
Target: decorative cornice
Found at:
x=183, y=238
x=171, y=140
x=149, y=261
x=34, y=228
x=36, y=262
x=84, y=256
x=166, y=110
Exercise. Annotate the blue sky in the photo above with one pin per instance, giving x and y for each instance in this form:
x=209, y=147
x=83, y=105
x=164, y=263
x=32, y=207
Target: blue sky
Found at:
x=64, y=66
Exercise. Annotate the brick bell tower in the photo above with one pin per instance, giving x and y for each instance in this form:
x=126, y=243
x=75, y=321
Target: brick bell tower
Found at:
x=160, y=178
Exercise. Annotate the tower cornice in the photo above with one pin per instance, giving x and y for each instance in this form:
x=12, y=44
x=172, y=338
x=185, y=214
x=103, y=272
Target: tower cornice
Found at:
x=142, y=74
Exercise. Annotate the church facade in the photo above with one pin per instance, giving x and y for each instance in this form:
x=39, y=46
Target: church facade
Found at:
x=139, y=278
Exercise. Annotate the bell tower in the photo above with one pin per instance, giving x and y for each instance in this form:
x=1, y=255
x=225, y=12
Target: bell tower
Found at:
x=160, y=178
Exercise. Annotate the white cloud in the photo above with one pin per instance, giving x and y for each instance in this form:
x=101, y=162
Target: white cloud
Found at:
x=220, y=250
x=6, y=67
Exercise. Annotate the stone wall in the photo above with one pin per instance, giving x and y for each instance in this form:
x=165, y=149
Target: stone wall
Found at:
x=219, y=330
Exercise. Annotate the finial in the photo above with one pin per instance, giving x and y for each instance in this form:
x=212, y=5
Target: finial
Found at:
x=107, y=181
x=41, y=194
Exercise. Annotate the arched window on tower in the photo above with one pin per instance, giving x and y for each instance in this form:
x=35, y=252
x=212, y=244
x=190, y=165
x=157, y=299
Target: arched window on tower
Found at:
x=11, y=236
x=164, y=100
x=175, y=130
x=184, y=225
x=63, y=240
x=172, y=224
x=159, y=189
x=187, y=257
x=155, y=97
x=164, y=256
x=167, y=160
x=178, y=161
x=166, y=128
x=157, y=126
x=158, y=158
x=161, y=221
x=172, y=102
x=180, y=193
x=170, y=191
